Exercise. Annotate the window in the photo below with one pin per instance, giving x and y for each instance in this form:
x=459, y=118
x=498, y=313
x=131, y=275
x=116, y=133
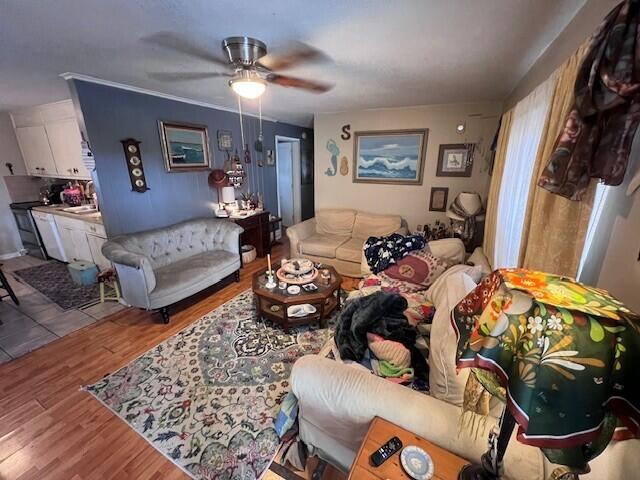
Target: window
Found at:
x=528, y=122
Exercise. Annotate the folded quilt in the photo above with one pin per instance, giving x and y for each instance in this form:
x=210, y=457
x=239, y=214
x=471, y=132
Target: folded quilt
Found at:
x=388, y=369
x=389, y=351
x=419, y=309
x=382, y=314
x=381, y=252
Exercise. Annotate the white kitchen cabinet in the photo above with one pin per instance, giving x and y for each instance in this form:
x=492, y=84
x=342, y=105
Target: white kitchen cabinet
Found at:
x=74, y=238
x=64, y=139
x=49, y=138
x=81, y=246
x=67, y=242
x=36, y=150
x=95, y=245
x=82, y=240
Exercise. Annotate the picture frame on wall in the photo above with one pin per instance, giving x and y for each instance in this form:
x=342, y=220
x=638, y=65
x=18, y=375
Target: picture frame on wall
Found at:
x=455, y=160
x=225, y=140
x=389, y=156
x=185, y=146
x=438, y=199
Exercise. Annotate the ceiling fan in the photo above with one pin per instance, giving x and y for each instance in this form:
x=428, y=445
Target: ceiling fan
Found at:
x=249, y=66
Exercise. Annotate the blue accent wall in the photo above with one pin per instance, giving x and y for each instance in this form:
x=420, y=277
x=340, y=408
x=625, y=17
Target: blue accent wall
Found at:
x=112, y=114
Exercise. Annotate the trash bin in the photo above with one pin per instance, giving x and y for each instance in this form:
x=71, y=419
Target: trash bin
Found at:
x=83, y=273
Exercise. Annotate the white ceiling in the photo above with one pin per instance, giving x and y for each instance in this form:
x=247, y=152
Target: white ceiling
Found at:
x=409, y=52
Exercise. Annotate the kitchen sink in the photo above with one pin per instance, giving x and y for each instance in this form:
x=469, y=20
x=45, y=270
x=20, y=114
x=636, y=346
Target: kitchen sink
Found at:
x=81, y=210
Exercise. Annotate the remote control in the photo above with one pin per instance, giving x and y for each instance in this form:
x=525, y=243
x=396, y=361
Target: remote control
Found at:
x=385, y=451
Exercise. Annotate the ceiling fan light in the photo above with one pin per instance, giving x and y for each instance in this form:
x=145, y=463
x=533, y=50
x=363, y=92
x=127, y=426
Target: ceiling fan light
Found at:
x=248, y=85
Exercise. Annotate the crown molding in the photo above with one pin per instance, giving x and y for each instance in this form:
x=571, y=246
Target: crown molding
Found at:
x=145, y=91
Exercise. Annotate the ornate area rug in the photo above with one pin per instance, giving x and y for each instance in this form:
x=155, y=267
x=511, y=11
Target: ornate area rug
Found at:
x=54, y=281
x=208, y=396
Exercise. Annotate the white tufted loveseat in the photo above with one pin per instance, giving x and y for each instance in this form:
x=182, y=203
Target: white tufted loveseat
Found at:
x=162, y=266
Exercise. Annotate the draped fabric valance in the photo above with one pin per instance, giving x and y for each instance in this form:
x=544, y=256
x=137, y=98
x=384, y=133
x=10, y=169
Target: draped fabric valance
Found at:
x=599, y=129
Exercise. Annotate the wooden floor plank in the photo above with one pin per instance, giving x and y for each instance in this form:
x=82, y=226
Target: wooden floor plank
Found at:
x=50, y=429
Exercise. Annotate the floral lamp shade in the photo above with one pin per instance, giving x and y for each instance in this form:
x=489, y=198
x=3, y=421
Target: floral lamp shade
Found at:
x=567, y=355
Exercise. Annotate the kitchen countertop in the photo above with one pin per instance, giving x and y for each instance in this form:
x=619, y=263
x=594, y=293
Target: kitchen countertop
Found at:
x=58, y=210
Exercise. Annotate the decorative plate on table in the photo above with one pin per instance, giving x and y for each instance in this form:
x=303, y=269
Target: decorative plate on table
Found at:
x=301, y=310
x=297, y=266
x=307, y=277
x=416, y=462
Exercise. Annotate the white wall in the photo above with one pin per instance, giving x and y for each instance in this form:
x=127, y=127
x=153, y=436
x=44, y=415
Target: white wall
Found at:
x=411, y=202
x=612, y=261
x=620, y=273
x=9, y=152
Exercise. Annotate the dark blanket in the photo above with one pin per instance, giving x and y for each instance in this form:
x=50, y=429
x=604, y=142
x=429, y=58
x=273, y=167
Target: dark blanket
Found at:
x=381, y=252
x=381, y=313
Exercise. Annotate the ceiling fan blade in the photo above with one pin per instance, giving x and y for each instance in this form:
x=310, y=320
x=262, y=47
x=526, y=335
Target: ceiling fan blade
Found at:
x=178, y=43
x=293, y=82
x=185, y=76
x=300, y=53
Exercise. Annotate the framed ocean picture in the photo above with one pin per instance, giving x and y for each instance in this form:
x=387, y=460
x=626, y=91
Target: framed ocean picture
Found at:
x=185, y=146
x=391, y=156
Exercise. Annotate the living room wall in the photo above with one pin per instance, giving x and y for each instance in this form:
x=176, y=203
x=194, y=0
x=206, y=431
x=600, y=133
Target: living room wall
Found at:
x=411, y=202
x=113, y=114
x=10, y=243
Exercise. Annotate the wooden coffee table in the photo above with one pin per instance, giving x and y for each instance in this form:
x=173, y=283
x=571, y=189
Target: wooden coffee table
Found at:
x=273, y=303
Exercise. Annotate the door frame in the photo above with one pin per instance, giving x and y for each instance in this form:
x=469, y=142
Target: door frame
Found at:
x=295, y=173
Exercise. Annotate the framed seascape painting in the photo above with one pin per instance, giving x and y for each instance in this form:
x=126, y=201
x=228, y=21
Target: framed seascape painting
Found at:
x=393, y=156
x=185, y=146
x=455, y=160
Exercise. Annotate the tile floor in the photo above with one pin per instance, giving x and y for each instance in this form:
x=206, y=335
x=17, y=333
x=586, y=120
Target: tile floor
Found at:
x=37, y=320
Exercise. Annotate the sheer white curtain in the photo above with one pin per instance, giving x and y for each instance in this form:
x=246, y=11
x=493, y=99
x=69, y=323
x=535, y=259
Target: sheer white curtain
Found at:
x=529, y=117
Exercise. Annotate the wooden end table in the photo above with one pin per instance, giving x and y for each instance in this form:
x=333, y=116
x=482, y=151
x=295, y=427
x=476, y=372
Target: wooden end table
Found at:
x=446, y=464
x=256, y=232
x=273, y=303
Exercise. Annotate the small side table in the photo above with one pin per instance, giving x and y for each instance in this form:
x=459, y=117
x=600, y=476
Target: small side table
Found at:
x=446, y=464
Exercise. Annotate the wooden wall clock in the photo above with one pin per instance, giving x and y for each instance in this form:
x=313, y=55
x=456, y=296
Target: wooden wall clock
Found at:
x=133, y=156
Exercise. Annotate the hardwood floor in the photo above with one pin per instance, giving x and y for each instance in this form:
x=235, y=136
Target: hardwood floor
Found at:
x=49, y=429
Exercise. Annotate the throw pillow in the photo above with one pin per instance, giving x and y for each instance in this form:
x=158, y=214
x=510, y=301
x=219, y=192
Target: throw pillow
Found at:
x=445, y=383
x=419, y=267
x=437, y=292
x=479, y=259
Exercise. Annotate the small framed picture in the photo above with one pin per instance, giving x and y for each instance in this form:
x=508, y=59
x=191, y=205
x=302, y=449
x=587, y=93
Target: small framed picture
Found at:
x=185, y=146
x=225, y=140
x=438, y=199
x=271, y=159
x=455, y=160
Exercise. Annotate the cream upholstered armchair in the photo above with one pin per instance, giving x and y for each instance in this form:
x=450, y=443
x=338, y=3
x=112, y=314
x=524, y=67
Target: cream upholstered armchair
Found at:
x=157, y=268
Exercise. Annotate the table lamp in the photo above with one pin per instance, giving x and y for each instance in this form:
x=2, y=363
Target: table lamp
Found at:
x=466, y=209
x=566, y=355
x=229, y=198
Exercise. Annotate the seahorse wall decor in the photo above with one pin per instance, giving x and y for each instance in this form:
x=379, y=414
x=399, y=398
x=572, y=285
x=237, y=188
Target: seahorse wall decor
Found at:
x=334, y=150
x=344, y=166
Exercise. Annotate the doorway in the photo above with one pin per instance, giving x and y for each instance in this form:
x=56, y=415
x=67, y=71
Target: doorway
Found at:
x=288, y=179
